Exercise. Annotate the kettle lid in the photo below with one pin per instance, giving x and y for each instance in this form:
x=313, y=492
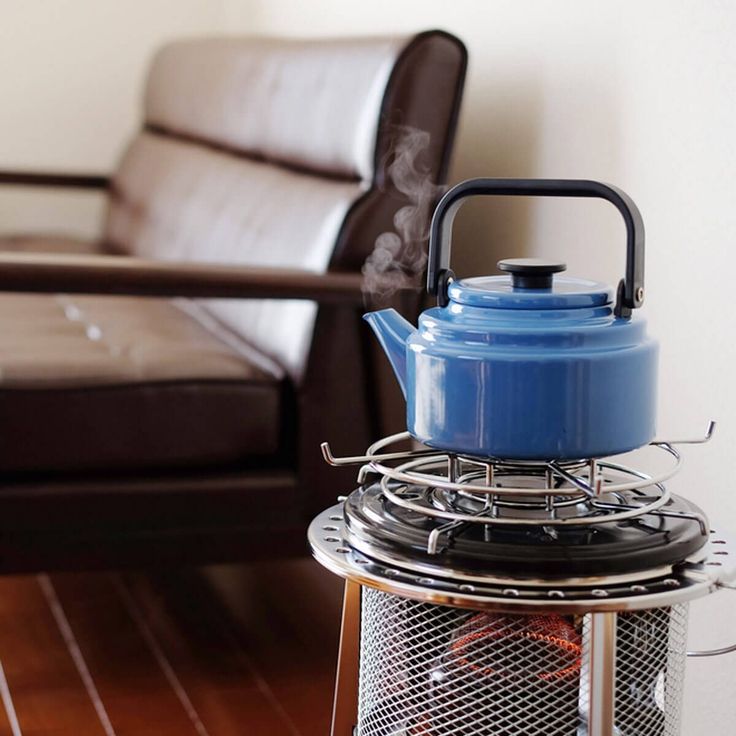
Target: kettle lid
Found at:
x=530, y=284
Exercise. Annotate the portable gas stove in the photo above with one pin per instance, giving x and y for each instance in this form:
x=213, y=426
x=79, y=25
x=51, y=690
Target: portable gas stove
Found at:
x=510, y=598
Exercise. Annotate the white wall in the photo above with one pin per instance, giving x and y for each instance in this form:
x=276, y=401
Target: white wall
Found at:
x=642, y=94
x=70, y=84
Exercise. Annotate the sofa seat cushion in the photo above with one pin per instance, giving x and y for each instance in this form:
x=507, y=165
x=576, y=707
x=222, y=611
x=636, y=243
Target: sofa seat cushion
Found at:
x=126, y=384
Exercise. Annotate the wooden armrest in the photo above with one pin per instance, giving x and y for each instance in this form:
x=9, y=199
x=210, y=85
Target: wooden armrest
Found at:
x=44, y=179
x=82, y=274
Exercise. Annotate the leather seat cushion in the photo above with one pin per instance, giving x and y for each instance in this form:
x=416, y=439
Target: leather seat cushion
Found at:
x=126, y=384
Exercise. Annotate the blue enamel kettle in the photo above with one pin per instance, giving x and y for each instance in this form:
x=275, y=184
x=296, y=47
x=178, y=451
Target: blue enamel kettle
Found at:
x=529, y=365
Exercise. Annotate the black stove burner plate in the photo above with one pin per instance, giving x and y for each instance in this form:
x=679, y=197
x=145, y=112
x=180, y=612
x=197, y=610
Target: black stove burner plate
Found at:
x=616, y=547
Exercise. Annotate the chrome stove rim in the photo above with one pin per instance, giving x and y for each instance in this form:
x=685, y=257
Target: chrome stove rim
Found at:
x=694, y=578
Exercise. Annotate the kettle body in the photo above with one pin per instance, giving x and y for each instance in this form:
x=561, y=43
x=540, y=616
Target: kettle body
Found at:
x=529, y=365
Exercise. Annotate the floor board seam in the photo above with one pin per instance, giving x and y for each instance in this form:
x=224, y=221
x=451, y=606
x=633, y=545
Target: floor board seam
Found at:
x=7, y=699
x=62, y=622
x=261, y=681
x=160, y=656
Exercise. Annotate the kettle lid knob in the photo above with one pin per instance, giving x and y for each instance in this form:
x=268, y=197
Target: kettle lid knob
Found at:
x=531, y=273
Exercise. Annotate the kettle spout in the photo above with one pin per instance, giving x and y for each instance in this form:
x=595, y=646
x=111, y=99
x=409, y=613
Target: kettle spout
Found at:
x=392, y=331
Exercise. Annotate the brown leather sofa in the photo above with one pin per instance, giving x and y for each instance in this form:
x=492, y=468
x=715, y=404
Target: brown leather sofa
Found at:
x=141, y=430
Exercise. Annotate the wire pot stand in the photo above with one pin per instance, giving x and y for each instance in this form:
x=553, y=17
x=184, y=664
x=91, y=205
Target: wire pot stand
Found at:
x=462, y=489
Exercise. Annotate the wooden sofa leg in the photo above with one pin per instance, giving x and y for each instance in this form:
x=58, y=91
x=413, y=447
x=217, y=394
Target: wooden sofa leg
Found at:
x=345, y=706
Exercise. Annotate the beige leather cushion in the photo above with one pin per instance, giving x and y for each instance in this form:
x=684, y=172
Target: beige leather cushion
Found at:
x=178, y=200
x=126, y=383
x=314, y=104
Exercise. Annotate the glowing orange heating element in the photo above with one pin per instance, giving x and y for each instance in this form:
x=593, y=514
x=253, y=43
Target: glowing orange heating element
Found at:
x=561, y=637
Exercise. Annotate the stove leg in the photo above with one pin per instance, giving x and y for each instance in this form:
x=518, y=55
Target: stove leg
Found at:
x=345, y=704
x=602, y=674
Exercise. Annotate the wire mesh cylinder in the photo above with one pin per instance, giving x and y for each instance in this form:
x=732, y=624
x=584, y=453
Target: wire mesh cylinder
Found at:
x=428, y=670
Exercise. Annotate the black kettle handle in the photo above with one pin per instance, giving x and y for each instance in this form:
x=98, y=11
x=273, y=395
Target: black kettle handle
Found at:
x=630, y=293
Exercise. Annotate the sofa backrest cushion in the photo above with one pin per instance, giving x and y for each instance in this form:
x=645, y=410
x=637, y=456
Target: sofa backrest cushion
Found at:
x=175, y=200
x=309, y=104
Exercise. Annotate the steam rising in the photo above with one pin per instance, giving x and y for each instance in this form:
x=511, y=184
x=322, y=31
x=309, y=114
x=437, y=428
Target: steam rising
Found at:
x=399, y=256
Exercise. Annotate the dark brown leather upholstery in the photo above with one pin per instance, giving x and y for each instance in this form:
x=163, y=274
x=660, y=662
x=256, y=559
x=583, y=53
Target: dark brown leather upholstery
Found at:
x=254, y=153
x=127, y=384
x=181, y=201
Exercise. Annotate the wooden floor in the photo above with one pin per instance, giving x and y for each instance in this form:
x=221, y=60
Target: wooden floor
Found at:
x=247, y=650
